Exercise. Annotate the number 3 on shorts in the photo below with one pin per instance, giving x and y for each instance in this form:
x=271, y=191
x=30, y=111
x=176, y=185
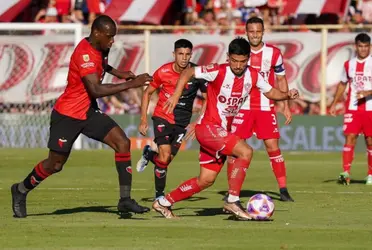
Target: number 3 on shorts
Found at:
x=180, y=136
x=274, y=119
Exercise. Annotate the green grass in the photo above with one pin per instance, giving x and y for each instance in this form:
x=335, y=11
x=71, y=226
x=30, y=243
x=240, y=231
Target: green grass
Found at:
x=75, y=209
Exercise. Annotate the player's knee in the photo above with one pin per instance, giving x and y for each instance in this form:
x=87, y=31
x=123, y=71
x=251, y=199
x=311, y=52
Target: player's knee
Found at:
x=351, y=140
x=54, y=165
x=122, y=145
x=165, y=156
x=205, y=182
x=246, y=154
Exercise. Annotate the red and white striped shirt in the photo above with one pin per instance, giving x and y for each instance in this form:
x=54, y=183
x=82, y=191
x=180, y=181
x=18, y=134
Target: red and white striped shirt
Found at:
x=269, y=62
x=227, y=92
x=358, y=73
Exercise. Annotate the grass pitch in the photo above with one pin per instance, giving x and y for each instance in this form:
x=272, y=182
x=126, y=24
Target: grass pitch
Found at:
x=76, y=209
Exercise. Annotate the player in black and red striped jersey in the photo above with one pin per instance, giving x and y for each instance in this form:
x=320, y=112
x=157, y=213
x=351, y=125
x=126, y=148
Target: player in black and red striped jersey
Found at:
x=169, y=128
x=76, y=112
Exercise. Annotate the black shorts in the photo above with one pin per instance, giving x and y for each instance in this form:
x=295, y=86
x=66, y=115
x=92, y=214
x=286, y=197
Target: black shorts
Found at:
x=168, y=134
x=64, y=129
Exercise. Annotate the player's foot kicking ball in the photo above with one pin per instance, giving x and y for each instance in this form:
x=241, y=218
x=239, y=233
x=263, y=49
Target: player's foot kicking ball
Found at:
x=236, y=209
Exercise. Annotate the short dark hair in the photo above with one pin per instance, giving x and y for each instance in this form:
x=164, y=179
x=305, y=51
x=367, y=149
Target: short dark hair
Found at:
x=255, y=20
x=100, y=22
x=239, y=46
x=363, y=38
x=182, y=43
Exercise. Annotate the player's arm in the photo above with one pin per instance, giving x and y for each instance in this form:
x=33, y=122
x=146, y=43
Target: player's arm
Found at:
x=146, y=96
x=274, y=93
x=363, y=94
x=208, y=73
x=127, y=75
x=341, y=87
x=96, y=90
x=172, y=101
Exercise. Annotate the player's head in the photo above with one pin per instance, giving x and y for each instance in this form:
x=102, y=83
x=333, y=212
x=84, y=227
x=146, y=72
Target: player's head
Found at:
x=103, y=31
x=254, y=28
x=239, y=50
x=362, y=45
x=182, y=52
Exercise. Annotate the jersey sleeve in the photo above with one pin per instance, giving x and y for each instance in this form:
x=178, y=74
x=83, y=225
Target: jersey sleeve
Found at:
x=207, y=72
x=203, y=86
x=279, y=65
x=156, y=80
x=344, y=74
x=263, y=85
x=86, y=63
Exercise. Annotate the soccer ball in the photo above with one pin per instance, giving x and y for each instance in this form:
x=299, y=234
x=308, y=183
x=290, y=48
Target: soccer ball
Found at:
x=260, y=207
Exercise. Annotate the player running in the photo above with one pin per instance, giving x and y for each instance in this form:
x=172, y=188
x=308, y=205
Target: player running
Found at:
x=357, y=72
x=257, y=114
x=229, y=86
x=169, y=128
x=76, y=112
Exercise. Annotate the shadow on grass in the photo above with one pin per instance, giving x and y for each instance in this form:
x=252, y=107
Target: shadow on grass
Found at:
x=191, y=199
x=337, y=181
x=250, y=193
x=94, y=209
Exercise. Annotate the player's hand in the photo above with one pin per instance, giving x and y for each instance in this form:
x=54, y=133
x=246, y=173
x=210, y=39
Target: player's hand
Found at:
x=127, y=75
x=332, y=110
x=141, y=80
x=288, y=116
x=293, y=94
x=190, y=131
x=362, y=94
x=170, y=104
x=142, y=128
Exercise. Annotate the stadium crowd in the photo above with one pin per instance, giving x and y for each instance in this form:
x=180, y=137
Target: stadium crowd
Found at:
x=211, y=13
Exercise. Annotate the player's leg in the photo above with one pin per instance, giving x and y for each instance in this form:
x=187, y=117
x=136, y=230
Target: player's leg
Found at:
x=278, y=166
x=208, y=174
x=102, y=128
x=63, y=132
x=161, y=160
x=368, y=140
x=242, y=127
x=352, y=127
x=367, y=131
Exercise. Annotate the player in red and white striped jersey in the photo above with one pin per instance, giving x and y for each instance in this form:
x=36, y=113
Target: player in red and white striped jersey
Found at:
x=228, y=88
x=357, y=72
x=257, y=114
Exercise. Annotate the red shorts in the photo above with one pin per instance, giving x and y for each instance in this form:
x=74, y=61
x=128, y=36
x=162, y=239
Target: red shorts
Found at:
x=93, y=6
x=358, y=123
x=215, y=144
x=63, y=7
x=263, y=123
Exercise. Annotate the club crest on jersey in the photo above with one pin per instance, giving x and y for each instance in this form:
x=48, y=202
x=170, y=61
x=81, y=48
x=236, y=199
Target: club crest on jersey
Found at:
x=209, y=68
x=61, y=142
x=161, y=127
x=86, y=58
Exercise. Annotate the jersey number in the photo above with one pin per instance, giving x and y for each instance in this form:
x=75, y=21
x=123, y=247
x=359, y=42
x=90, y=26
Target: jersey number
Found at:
x=274, y=119
x=180, y=136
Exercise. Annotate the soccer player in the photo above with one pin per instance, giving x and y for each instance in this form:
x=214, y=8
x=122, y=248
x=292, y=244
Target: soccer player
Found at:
x=76, y=112
x=170, y=128
x=229, y=86
x=257, y=114
x=357, y=73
